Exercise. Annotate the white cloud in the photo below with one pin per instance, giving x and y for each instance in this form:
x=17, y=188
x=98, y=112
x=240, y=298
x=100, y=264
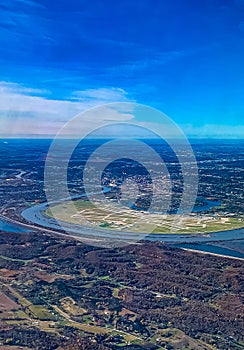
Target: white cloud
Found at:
x=104, y=94
x=14, y=87
x=24, y=111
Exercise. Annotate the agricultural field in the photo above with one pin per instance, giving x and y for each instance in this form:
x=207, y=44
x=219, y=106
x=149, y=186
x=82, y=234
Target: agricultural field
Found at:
x=40, y=312
x=66, y=292
x=7, y=304
x=115, y=217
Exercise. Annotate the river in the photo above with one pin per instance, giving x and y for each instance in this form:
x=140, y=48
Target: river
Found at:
x=9, y=227
x=199, y=242
x=35, y=214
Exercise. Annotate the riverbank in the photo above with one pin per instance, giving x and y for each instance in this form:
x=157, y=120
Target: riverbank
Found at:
x=11, y=225
x=209, y=253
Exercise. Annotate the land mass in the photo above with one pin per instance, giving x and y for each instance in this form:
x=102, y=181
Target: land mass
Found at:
x=117, y=217
x=60, y=294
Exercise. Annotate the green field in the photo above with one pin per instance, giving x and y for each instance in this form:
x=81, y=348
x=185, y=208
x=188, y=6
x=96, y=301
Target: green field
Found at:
x=112, y=216
x=41, y=312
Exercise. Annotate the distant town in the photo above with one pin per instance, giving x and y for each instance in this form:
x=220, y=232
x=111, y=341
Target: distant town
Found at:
x=60, y=293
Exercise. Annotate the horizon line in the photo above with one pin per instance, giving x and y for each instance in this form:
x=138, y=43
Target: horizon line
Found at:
x=49, y=137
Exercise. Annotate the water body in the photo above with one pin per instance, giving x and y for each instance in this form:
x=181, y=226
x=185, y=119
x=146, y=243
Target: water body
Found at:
x=208, y=205
x=36, y=215
x=208, y=248
x=191, y=241
x=9, y=227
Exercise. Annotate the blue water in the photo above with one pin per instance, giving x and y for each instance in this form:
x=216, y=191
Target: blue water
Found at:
x=9, y=227
x=211, y=249
x=208, y=204
x=35, y=214
x=208, y=248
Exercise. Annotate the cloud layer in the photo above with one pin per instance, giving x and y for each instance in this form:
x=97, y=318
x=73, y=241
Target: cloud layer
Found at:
x=28, y=112
x=25, y=111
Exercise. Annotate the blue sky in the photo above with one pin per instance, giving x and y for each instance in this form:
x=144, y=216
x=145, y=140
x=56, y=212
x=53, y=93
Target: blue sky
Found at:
x=183, y=57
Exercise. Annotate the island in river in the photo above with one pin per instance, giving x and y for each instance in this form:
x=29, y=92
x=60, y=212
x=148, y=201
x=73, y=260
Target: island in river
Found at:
x=110, y=215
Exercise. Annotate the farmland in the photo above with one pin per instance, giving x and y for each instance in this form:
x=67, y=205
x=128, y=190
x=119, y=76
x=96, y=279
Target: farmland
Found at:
x=69, y=292
x=116, y=217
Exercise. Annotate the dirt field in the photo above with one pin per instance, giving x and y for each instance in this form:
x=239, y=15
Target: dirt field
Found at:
x=7, y=304
x=50, y=278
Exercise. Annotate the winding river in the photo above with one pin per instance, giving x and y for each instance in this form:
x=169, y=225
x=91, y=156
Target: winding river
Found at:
x=198, y=242
x=36, y=215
